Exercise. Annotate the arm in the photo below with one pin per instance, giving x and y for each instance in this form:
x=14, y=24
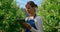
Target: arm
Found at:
x=23, y=23
x=39, y=25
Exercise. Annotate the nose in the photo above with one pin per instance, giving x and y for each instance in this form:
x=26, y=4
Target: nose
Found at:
x=27, y=9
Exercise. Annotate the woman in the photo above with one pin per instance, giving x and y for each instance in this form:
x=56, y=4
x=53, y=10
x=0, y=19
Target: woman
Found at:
x=34, y=22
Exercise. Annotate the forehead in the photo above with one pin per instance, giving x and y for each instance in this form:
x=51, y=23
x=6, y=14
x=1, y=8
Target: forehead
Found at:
x=28, y=5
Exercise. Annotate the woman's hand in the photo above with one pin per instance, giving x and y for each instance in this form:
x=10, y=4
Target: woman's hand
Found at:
x=26, y=25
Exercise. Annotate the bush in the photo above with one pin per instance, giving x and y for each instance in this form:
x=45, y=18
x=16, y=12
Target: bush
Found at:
x=50, y=11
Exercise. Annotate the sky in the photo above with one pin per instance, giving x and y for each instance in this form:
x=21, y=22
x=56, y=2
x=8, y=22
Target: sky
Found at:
x=22, y=3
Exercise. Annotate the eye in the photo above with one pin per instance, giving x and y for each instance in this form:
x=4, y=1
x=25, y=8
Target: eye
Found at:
x=28, y=8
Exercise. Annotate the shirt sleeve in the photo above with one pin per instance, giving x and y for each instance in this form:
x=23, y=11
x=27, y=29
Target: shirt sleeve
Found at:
x=33, y=30
x=39, y=25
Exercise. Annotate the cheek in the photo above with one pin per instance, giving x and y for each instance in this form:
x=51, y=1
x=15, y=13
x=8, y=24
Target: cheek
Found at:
x=33, y=10
x=29, y=10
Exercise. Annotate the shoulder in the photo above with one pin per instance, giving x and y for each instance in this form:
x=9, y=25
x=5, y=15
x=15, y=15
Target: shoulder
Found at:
x=38, y=17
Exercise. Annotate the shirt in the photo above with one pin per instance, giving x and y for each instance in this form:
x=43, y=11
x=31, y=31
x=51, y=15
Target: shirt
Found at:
x=38, y=24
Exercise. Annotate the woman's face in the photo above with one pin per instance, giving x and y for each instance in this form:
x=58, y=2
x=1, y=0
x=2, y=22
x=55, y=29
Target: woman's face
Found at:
x=30, y=10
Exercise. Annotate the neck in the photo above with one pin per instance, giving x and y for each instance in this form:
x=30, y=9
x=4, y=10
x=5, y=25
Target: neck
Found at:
x=33, y=16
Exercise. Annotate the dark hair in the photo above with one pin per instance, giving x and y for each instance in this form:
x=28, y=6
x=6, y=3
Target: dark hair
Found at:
x=32, y=4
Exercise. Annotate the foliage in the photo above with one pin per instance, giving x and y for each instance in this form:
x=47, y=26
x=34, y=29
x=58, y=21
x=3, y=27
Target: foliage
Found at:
x=50, y=11
x=9, y=12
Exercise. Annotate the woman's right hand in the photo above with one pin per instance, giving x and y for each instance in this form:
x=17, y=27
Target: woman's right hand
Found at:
x=26, y=25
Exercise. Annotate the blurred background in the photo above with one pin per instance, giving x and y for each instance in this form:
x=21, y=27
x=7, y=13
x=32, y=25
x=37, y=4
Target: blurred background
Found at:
x=10, y=10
